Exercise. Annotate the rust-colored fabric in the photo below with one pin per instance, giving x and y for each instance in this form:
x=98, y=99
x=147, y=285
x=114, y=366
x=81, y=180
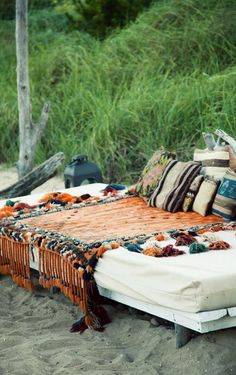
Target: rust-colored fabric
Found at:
x=55, y=270
x=14, y=260
x=121, y=218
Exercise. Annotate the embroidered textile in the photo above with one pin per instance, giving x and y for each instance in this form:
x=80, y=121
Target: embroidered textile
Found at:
x=225, y=201
x=214, y=163
x=152, y=172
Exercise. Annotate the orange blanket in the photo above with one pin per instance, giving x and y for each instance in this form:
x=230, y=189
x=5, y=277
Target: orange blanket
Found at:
x=126, y=217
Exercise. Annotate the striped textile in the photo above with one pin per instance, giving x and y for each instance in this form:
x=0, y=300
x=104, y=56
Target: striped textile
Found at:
x=173, y=201
x=225, y=201
x=174, y=185
x=214, y=163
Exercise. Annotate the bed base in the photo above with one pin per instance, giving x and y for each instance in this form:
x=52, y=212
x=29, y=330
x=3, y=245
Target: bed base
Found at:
x=185, y=323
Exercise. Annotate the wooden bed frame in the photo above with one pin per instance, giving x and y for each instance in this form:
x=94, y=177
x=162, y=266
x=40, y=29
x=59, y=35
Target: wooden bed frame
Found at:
x=184, y=322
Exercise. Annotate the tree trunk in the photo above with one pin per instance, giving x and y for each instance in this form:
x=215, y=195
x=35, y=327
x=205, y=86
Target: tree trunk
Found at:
x=29, y=133
x=34, y=179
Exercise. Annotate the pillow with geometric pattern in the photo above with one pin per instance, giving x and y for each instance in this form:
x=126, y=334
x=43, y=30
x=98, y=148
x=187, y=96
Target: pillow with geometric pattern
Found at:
x=152, y=172
x=224, y=204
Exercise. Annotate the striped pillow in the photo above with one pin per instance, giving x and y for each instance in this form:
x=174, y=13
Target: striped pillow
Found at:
x=225, y=201
x=174, y=200
x=214, y=163
x=173, y=185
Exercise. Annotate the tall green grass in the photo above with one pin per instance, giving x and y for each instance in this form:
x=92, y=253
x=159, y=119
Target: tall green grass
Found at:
x=161, y=81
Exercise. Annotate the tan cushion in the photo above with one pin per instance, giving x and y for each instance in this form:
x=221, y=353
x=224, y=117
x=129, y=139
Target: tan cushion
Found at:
x=205, y=196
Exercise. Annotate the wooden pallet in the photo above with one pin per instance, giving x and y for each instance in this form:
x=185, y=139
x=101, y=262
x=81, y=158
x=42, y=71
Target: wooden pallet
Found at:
x=185, y=323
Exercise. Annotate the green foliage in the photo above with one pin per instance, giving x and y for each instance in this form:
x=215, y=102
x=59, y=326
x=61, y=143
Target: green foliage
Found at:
x=7, y=9
x=161, y=81
x=98, y=17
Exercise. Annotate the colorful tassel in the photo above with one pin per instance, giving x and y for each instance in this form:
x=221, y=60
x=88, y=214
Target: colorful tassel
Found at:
x=195, y=248
x=219, y=245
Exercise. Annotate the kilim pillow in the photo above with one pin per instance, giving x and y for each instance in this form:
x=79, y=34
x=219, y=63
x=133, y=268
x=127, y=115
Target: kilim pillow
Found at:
x=225, y=201
x=173, y=185
x=214, y=163
x=152, y=172
x=205, y=196
x=174, y=200
x=232, y=159
x=191, y=193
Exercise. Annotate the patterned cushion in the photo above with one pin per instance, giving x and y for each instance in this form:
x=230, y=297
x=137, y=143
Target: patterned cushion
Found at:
x=205, y=196
x=173, y=201
x=152, y=172
x=232, y=159
x=225, y=201
x=214, y=163
x=173, y=185
x=191, y=193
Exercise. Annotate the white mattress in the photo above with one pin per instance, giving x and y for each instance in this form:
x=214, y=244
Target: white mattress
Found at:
x=191, y=282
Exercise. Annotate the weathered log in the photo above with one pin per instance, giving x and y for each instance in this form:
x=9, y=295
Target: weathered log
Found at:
x=35, y=178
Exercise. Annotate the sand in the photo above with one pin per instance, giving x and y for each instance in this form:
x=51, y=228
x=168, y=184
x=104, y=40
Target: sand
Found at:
x=35, y=337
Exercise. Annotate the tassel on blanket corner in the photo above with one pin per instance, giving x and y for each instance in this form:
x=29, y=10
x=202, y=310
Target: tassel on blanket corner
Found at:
x=135, y=248
x=184, y=240
x=169, y=250
x=219, y=245
x=195, y=248
x=153, y=251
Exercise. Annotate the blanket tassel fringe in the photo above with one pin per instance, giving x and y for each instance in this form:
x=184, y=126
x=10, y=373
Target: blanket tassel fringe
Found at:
x=14, y=260
x=59, y=271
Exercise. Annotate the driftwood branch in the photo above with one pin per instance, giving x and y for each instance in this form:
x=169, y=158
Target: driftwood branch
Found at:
x=38, y=128
x=35, y=178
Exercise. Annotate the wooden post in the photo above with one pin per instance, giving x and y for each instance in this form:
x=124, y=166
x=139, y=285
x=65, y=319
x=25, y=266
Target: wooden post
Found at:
x=29, y=133
x=183, y=335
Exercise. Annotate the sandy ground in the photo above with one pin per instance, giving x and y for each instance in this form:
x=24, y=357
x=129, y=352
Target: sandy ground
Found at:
x=35, y=338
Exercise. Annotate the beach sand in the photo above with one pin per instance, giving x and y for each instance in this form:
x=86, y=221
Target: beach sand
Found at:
x=35, y=337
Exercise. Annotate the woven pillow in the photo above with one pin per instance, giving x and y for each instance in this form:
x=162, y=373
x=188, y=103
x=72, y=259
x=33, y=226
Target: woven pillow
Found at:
x=232, y=159
x=205, y=196
x=152, y=172
x=191, y=193
x=214, y=163
x=174, y=200
x=225, y=201
x=169, y=186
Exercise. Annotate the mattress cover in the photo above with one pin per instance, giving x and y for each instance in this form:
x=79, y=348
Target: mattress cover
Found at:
x=191, y=282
